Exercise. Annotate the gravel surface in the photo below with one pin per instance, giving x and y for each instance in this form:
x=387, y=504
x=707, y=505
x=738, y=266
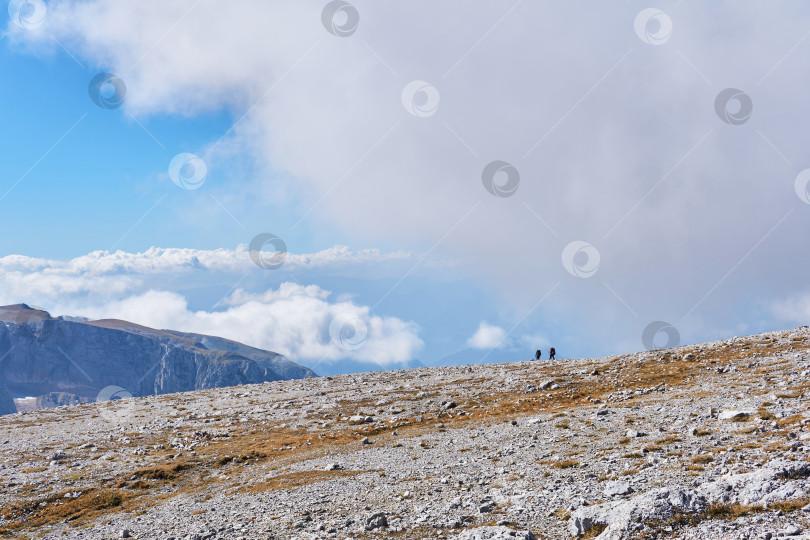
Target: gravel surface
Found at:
x=703, y=441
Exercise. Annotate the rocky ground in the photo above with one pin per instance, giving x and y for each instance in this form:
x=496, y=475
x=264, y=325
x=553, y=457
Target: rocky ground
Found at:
x=705, y=441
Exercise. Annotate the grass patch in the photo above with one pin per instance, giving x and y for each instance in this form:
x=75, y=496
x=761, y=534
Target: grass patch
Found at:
x=34, y=470
x=669, y=440
x=162, y=472
x=58, y=508
x=595, y=531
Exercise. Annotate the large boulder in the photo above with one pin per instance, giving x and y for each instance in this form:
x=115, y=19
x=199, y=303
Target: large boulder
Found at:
x=495, y=533
x=776, y=481
x=622, y=518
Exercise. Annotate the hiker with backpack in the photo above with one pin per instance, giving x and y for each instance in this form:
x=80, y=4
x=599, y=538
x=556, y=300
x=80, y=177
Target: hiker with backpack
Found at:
x=551, y=353
x=538, y=354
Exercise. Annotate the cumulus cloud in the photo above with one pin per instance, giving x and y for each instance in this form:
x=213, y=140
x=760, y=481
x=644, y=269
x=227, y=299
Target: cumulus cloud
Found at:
x=487, y=337
x=303, y=322
x=616, y=141
x=297, y=321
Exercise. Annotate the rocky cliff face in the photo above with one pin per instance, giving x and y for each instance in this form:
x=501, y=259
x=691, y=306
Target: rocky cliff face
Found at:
x=6, y=402
x=86, y=360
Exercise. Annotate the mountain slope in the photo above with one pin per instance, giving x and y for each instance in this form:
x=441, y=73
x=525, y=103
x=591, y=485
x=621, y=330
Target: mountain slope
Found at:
x=705, y=441
x=91, y=359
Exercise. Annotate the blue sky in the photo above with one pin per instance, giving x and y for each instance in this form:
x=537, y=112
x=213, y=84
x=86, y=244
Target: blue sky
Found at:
x=106, y=169
x=534, y=175
x=85, y=193
x=83, y=179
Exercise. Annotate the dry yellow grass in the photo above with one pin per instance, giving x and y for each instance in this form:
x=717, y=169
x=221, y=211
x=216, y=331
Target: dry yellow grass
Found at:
x=57, y=508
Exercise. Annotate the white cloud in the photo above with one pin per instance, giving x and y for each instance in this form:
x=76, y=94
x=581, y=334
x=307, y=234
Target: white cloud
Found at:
x=487, y=337
x=616, y=141
x=293, y=320
x=177, y=260
x=106, y=274
x=795, y=309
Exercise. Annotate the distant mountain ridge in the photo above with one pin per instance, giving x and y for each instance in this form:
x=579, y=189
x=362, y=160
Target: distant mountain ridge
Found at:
x=64, y=360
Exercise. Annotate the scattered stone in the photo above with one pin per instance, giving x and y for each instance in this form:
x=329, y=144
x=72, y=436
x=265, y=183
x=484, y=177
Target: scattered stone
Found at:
x=376, y=521
x=790, y=530
x=617, y=488
x=732, y=414
x=468, y=474
x=487, y=507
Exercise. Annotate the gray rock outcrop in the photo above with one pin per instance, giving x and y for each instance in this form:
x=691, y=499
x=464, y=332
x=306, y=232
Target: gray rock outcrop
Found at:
x=623, y=518
x=777, y=480
x=58, y=399
x=495, y=533
x=6, y=402
x=69, y=361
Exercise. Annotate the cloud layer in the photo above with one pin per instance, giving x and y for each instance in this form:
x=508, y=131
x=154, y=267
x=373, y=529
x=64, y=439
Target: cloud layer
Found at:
x=613, y=131
x=298, y=322
x=302, y=322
